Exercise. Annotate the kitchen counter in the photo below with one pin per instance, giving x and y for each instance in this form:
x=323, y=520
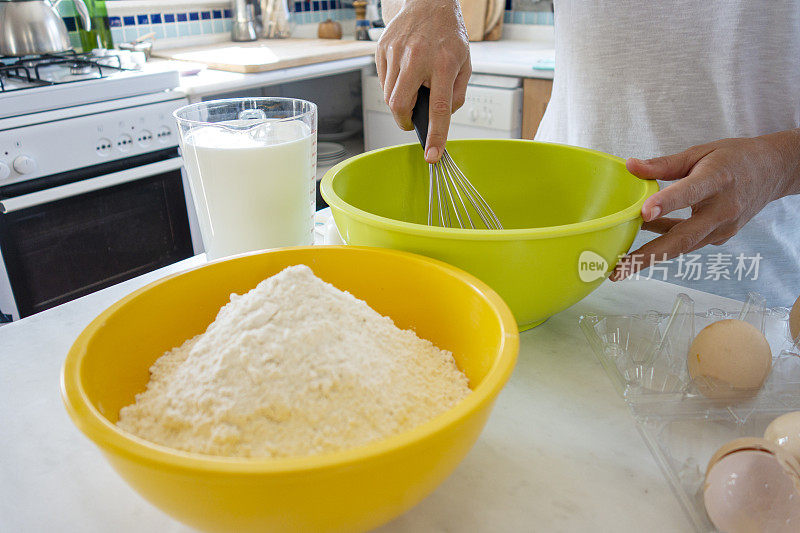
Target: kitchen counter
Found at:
x=208, y=81
x=513, y=58
x=559, y=453
x=508, y=58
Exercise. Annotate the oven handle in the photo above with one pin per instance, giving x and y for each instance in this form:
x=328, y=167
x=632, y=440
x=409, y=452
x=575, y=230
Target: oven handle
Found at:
x=92, y=184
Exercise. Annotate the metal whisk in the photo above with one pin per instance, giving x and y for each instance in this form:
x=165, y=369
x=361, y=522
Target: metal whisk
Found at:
x=450, y=194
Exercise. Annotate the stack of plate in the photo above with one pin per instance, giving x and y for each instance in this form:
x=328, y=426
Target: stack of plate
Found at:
x=329, y=154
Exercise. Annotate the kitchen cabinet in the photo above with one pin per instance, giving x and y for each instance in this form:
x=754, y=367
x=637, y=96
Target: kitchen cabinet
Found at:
x=535, y=96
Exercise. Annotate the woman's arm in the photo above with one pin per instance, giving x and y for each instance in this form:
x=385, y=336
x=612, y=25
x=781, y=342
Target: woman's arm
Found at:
x=726, y=183
x=425, y=43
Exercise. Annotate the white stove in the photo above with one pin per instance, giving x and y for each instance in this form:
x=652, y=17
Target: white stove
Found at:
x=91, y=184
x=35, y=84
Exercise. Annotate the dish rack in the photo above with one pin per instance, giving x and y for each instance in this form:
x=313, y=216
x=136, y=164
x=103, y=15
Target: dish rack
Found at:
x=645, y=358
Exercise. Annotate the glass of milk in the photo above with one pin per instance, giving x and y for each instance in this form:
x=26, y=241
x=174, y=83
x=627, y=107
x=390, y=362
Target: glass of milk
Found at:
x=251, y=166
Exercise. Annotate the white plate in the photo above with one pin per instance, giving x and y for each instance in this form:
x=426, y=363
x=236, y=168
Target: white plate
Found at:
x=331, y=160
x=326, y=150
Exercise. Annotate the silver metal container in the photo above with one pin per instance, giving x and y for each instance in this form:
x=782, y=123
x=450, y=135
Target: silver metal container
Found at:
x=244, y=21
x=29, y=27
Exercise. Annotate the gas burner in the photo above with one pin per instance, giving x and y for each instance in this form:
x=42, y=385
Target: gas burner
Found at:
x=54, y=69
x=77, y=69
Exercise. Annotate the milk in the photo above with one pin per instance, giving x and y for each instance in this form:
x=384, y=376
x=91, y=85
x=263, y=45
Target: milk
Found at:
x=253, y=187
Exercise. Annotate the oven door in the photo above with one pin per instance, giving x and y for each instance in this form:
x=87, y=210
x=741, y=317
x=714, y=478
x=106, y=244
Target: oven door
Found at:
x=68, y=235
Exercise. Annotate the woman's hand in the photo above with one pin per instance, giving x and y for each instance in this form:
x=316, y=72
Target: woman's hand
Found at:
x=424, y=44
x=726, y=183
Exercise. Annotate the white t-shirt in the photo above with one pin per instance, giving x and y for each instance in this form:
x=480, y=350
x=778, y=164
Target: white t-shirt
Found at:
x=648, y=78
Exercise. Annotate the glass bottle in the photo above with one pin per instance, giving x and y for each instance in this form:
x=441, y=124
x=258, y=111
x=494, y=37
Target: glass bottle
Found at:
x=362, y=24
x=100, y=34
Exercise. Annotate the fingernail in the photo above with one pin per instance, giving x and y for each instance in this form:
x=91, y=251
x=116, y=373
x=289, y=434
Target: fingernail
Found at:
x=637, y=160
x=655, y=211
x=432, y=154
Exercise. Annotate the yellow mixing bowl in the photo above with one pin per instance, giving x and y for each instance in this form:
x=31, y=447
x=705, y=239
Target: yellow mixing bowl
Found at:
x=555, y=201
x=350, y=490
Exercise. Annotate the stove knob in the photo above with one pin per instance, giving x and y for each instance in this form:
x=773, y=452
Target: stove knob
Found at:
x=24, y=164
x=4, y=171
x=473, y=115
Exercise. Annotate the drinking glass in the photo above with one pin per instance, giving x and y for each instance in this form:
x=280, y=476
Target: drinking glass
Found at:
x=251, y=165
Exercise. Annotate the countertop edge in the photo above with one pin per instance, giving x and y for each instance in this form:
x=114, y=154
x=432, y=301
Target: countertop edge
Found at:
x=210, y=81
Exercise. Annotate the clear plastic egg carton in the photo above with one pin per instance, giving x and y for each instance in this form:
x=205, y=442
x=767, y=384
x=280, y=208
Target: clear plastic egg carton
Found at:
x=645, y=357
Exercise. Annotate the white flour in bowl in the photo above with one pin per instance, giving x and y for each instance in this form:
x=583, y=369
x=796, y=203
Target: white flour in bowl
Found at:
x=294, y=367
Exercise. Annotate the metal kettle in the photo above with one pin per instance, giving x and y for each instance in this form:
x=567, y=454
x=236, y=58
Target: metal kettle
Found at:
x=29, y=27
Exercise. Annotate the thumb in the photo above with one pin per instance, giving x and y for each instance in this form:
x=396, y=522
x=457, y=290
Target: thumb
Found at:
x=668, y=167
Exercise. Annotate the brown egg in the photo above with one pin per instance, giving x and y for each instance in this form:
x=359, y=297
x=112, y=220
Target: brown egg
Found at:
x=729, y=359
x=752, y=485
x=785, y=432
x=794, y=320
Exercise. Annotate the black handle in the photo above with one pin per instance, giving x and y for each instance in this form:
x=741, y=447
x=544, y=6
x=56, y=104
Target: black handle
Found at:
x=419, y=115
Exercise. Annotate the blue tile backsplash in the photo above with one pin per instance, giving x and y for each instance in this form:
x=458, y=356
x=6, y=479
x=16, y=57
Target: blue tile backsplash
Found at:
x=208, y=19
x=529, y=12
x=212, y=18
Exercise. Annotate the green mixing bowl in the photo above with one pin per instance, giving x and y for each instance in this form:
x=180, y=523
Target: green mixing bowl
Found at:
x=568, y=213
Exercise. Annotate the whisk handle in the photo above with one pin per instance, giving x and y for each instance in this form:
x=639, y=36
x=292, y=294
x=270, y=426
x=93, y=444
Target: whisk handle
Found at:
x=419, y=115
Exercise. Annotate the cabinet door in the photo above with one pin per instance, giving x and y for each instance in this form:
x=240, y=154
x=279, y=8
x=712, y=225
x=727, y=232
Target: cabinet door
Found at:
x=536, y=94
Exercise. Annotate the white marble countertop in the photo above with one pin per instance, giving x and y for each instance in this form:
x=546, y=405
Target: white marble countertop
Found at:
x=559, y=453
x=512, y=58
x=506, y=57
x=209, y=81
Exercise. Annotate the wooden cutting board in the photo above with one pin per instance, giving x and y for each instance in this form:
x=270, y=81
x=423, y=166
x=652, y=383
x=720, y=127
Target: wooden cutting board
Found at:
x=474, y=13
x=261, y=56
x=494, y=20
x=495, y=33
